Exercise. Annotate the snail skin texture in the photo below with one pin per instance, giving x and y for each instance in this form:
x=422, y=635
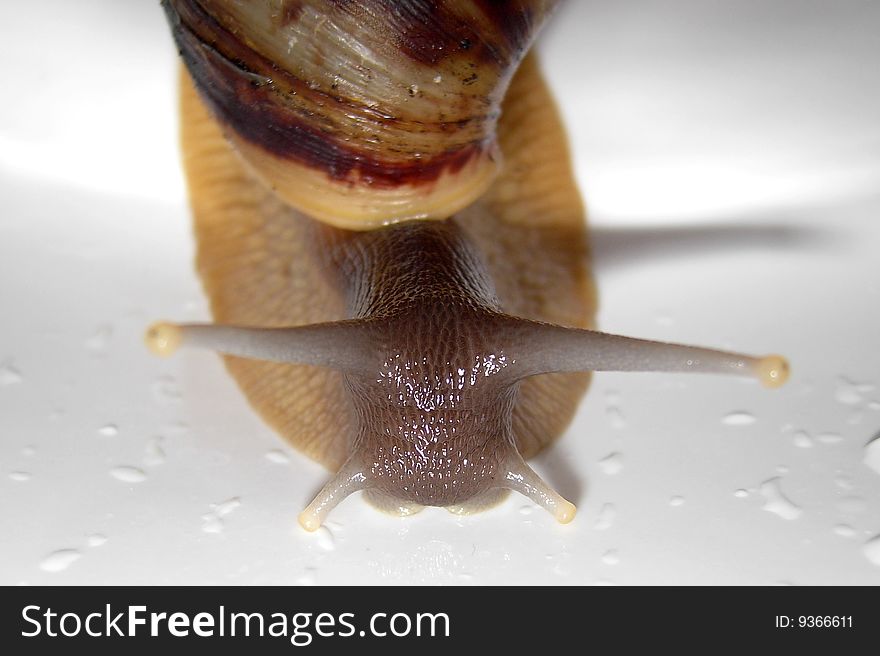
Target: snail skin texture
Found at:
x=393, y=245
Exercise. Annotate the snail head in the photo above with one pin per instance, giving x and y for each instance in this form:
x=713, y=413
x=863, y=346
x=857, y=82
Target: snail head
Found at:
x=433, y=392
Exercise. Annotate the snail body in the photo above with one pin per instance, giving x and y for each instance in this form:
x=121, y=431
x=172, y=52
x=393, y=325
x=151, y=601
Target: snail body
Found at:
x=422, y=360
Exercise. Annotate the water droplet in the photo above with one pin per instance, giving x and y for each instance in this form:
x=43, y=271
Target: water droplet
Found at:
x=872, y=453
x=605, y=518
x=128, y=474
x=212, y=522
x=676, y=501
x=325, y=539
x=226, y=507
x=438, y=79
x=109, y=430
x=96, y=540
x=829, y=438
x=844, y=531
x=615, y=417
x=59, y=560
x=738, y=418
x=154, y=454
x=849, y=392
x=855, y=418
x=852, y=505
x=872, y=550
x=277, y=456
x=9, y=375
x=465, y=576
x=776, y=502
x=612, y=409
x=741, y=493
x=20, y=476
x=781, y=469
x=165, y=390
x=802, y=439
x=526, y=510
x=100, y=338
x=611, y=557
x=611, y=464
x=29, y=451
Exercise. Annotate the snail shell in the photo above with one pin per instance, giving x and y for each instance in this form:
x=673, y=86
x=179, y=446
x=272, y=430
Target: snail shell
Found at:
x=361, y=114
x=406, y=358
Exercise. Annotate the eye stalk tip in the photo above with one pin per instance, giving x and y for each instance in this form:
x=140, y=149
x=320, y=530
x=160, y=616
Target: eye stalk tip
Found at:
x=772, y=371
x=565, y=512
x=163, y=338
x=309, y=521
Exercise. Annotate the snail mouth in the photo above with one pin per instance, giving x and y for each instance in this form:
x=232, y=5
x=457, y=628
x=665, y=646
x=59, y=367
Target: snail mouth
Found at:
x=396, y=507
x=512, y=474
x=438, y=489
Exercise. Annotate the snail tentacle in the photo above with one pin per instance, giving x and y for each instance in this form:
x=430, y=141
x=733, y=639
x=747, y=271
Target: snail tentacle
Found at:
x=340, y=345
x=519, y=477
x=545, y=348
x=539, y=348
x=350, y=478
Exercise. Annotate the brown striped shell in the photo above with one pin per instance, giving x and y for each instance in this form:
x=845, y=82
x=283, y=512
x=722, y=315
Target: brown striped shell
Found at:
x=362, y=113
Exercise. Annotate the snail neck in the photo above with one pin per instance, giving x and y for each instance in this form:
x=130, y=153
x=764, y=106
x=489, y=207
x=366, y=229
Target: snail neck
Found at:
x=412, y=266
x=435, y=406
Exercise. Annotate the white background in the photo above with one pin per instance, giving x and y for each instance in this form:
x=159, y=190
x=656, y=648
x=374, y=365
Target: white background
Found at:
x=729, y=153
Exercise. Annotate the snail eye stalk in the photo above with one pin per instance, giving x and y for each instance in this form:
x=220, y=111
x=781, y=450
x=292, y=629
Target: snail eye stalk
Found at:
x=338, y=345
x=349, y=479
x=519, y=477
x=545, y=348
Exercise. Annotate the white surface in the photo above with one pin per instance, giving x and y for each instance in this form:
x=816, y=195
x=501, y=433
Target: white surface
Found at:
x=730, y=156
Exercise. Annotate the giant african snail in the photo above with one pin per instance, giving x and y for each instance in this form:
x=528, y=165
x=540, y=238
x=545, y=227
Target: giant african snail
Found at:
x=422, y=360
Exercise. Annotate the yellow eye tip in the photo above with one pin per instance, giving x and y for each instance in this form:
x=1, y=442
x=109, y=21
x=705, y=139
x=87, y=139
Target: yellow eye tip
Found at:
x=565, y=512
x=773, y=371
x=163, y=338
x=309, y=521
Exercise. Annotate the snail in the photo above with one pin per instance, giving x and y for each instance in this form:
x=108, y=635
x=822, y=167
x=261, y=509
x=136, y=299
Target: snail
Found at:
x=393, y=244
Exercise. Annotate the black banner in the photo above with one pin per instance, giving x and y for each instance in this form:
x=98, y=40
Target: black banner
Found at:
x=430, y=620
